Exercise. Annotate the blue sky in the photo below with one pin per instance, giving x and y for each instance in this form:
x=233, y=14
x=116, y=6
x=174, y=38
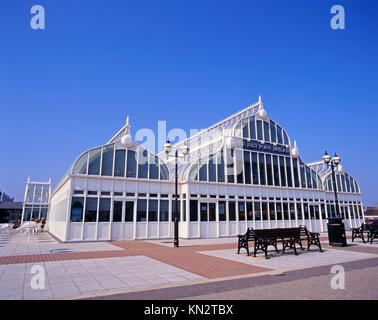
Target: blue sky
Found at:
x=192, y=63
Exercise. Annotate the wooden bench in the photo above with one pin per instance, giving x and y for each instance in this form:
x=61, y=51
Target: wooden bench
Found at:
x=263, y=238
x=359, y=232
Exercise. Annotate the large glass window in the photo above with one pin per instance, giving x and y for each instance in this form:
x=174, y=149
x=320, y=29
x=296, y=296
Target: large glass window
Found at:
x=153, y=210
x=249, y=211
x=286, y=138
x=231, y=211
x=203, y=212
x=269, y=169
x=308, y=177
x=245, y=129
x=264, y=211
x=91, y=210
x=279, y=134
x=117, y=211
x=141, y=210
x=104, y=210
x=154, y=167
x=76, y=210
x=212, y=212
x=94, y=162
x=142, y=164
x=303, y=175
x=193, y=210
x=164, y=212
x=255, y=174
x=81, y=165
x=252, y=128
x=164, y=174
x=286, y=211
x=222, y=210
x=241, y=209
x=272, y=211
x=257, y=211
x=262, y=169
x=292, y=212
x=300, y=212
x=266, y=132
x=119, y=165
x=306, y=211
x=276, y=171
x=129, y=211
x=273, y=133
x=338, y=183
x=314, y=182
x=174, y=209
x=107, y=161
x=193, y=174
x=282, y=171
x=212, y=169
x=296, y=173
x=131, y=164
x=220, y=164
x=288, y=172
x=239, y=166
x=230, y=166
x=203, y=170
x=259, y=130
x=279, y=211
x=247, y=167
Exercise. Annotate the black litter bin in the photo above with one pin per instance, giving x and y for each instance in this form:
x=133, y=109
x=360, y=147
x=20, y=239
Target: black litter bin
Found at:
x=336, y=232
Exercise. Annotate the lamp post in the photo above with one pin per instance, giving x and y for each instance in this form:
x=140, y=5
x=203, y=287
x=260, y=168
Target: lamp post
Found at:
x=333, y=163
x=184, y=150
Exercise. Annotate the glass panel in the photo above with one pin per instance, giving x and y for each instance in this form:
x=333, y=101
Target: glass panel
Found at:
x=241, y=209
x=220, y=164
x=317, y=216
x=119, y=165
x=35, y=213
x=306, y=211
x=94, y=162
x=279, y=211
x=292, y=212
x=262, y=169
x=282, y=171
x=230, y=166
x=264, y=211
x=272, y=211
x=91, y=210
x=30, y=193
x=322, y=206
x=269, y=169
x=129, y=211
x=314, y=182
x=249, y=211
x=76, y=209
x=252, y=128
x=142, y=164
x=255, y=175
x=193, y=210
x=356, y=187
x=308, y=177
x=303, y=174
x=203, y=211
x=212, y=169
x=154, y=168
x=347, y=183
x=164, y=173
x=259, y=130
x=104, y=210
x=141, y=210
x=247, y=167
x=343, y=183
x=276, y=171
x=81, y=165
x=351, y=184
x=245, y=129
x=273, y=132
x=193, y=174
x=184, y=210
x=203, y=170
x=296, y=173
x=107, y=161
x=338, y=183
x=239, y=166
x=266, y=132
x=222, y=210
x=117, y=211
x=288, y=172
x=164, y=210
x=231, y=211
x=257, y=211
x=131, y=164
x=286, y=138
x=27, y=214
x=299, y=212
x=279, y=134
x=153, y=210
x=38, y=194
x=212, y=212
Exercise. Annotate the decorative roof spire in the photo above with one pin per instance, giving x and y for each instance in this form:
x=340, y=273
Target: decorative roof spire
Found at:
x=127, y=129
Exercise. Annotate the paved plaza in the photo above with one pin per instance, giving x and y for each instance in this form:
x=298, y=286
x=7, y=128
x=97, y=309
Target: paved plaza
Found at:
x=199, y=269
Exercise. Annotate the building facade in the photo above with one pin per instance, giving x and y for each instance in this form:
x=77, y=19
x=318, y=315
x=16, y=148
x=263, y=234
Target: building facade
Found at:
x=241, y=172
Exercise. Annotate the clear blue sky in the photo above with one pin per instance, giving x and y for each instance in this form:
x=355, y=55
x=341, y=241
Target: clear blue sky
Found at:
x=192, y=63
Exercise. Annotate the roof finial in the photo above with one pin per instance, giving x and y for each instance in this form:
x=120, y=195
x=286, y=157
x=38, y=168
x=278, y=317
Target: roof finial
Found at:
x=127, y=131
x=260, y=99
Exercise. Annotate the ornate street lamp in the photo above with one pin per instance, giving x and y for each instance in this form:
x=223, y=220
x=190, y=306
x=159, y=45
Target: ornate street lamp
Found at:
x=333, y=163
x=184, y=150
